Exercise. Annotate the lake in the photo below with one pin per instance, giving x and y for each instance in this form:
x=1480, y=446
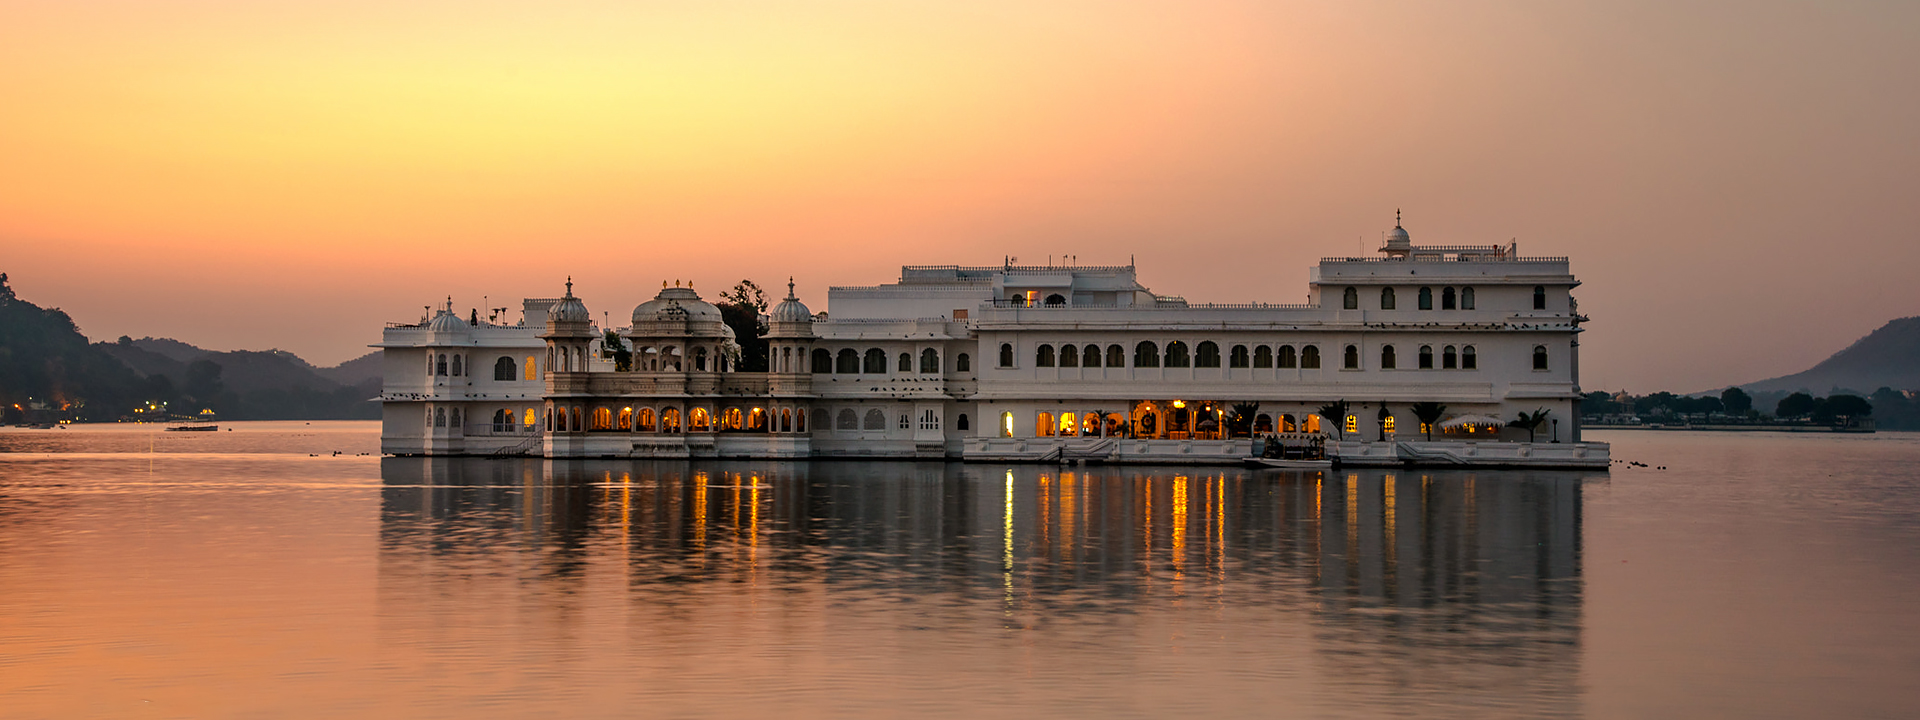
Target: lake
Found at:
x=254, y=572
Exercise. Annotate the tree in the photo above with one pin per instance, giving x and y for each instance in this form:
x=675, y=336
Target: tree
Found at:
x=1736, y=401
x=1102, y=416
x=1240, y=419
x=1429, y=414
x=203, y=380
x=1796, y=405
x=1531, y=422
x=741, y=309
x=613, y=347
x=1336, y=413
x=1383, y=415
x=1848, y=406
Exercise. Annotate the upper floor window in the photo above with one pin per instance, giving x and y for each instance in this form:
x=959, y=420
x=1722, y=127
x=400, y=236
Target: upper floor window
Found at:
x=1468, y=361
x=1539, y=297
x=1069, y=357
x=1350, y=299
x=1238, y=357
x=1446, y=299
x=876, y=361
x=440, y=367
x=1466, y=298
x=1006, y=355
x=1090, y=356
x=1263, y=357
x=1309, y=358
x=963, y=363
x=929, y=362
x=1207, y=355
x=1539, y=357
x=1426, y=357
x=904, y=364
x=503, y=369
x=848, y=361
x=456, y=366
x=1426, y=298
x=1146, y=354
x=532, y=371
x=1387, y=360
x=1449, y=358
x=1043, y=357
x=1386, y=298
x=1352, y=358
x=1177, y=355
x=822, y=361
x=1116, y=356
x=960, y=423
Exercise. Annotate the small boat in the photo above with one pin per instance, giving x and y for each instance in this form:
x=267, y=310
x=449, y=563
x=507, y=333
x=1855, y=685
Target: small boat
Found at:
x=1285, y=464
x=209, y=427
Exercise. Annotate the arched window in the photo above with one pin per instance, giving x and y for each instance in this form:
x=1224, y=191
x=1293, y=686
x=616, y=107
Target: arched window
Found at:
x=699, y=420
x=1310, y=357
x=732, y=419
x=822, y=361
x=1116, y=356
x=786, y=419
x=626, y=419
x=670, y=420
x=1263, y=357
x=963, y=363
x=1090, y=356
x=532, y=370
x=503, y=369
x=456, y=366
x=1386, y=298
x=1468, y=360
x=1006, y=424
x=800, y=419
x=1426, y=357
x=1446, y=299
x=643, y=421
x=929, y=362
x=1387, y=359
x=904, y=364
x=1352, y=361
x=439, y=417
x=1286, y=359
x=876, y=362
x=1263, y=423
x=960, y=423
x=1043, y=425
x=1466, y=298
x=440, y=367
x=1539, y=297
x=577, y=422
x=847, y=362
x=1069, y=357
x=700, y=359
x=1177, y=355
x=1287, y=423
x=820, y=420
x=1056, y=300
x=1069, y=424
x=1006, y=355
x=531, y=418
x=1539, y=357
x=1238, y=357
x=503, y=420
x=876, y=420
x=1449, y=358
x=906, y=422
x=602, y=419
x=1206, y=355
x=1350, y=299
x=1043, y=356
x=1146, y=354
x=1426, y=298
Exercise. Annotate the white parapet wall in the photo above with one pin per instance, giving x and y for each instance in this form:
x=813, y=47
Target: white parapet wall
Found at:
x=1471, y=454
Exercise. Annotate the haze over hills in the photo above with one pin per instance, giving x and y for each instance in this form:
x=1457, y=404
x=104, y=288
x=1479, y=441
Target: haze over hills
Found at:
x=1887, y=357
x=271, y=384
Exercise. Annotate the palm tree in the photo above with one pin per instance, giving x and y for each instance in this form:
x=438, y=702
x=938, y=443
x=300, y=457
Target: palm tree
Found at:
x=1240, y=418
x=1336, y=412
x=1429, y=413
x=1102, y=416
x=1531, y=421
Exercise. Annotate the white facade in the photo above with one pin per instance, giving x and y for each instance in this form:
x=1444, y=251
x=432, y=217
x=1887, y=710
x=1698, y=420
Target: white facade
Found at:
x=1011, y=362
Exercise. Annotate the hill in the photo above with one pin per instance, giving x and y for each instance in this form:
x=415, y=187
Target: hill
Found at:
x=1887, y=357
x=255, y=385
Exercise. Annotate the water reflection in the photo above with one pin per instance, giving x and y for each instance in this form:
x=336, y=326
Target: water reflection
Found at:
x=1424, y=589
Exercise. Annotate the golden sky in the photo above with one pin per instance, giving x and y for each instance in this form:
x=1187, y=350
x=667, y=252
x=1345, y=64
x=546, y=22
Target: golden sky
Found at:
x=1731, y=179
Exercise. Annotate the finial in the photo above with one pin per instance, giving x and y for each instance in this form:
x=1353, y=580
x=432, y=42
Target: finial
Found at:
x=790, y=288
x=569, y=286
x=1396, y=217
x=663, y=283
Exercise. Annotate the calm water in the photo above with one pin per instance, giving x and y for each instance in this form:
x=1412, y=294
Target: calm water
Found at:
x=255, y=573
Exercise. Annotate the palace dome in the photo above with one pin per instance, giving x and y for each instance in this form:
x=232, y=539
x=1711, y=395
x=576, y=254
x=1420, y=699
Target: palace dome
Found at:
x=791, y=310
x=446, y=321
x=569, y=309
x=1397, y=237
x=676, y=304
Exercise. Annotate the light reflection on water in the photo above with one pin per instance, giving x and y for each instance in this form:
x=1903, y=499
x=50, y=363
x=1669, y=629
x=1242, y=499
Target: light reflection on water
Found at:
x=1412, y=590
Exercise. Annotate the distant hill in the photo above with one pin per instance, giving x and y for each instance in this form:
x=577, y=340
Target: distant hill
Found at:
x=1887, y=357
x=258, y=385
x=356, y=372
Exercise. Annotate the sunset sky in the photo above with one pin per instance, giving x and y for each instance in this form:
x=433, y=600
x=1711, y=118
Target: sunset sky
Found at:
x=1737, y=183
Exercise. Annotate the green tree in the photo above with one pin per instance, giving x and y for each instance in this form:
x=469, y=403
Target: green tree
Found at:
x=1737, y=401
x=1429, y=413
x=1335, y=412
x=1240, y=419
x=1531, y=422
x=614, y=347
x=1796, y=405
x=741, y=308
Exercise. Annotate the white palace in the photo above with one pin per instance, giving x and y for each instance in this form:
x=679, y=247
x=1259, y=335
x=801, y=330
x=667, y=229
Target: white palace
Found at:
x=1020, y=362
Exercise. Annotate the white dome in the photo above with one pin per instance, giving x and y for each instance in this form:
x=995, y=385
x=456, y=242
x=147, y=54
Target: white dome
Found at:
x=569, y=309
x=791, y=310
x=676, y=304
x=1397, y=237
x=446, y=321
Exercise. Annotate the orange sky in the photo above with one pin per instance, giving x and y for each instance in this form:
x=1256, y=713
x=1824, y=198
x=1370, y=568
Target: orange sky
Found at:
x=1731, y=179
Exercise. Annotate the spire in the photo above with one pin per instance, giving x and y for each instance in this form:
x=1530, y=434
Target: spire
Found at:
x=790, y=288
x=1396, y=217
x=569, y=286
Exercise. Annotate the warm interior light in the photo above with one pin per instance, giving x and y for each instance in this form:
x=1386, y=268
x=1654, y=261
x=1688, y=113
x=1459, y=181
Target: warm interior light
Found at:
x=1179, y=403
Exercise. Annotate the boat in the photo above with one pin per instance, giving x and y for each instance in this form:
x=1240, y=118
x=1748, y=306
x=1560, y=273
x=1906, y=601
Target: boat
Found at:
x=1286, y=464
x=195, y=427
